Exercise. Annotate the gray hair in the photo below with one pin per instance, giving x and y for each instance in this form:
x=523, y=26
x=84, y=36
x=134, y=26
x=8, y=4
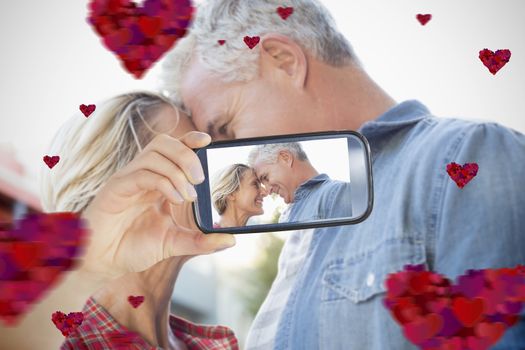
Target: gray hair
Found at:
x=269, y=153
x=93, y=149
x=311, y=26
x=225, y=183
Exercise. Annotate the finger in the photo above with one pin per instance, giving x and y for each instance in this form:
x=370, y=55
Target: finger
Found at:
x=159, y=164
x=146, y=180
x=181, y=153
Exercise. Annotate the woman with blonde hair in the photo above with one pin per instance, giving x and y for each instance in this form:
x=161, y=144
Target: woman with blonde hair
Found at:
x=130, y=172
x=237, y=195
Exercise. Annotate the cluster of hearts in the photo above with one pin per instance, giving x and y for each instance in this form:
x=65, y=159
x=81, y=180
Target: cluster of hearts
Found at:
x=472, y=314
x=34, y=254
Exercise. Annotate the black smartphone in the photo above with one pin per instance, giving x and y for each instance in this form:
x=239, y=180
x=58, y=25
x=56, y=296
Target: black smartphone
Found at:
x=284, y=182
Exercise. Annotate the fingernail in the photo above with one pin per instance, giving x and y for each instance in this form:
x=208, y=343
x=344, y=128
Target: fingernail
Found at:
x=196, y=173
x=191, y=191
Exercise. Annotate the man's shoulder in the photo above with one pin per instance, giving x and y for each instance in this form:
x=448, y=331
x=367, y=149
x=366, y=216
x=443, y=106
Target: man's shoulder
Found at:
x=456, y=126
x=446, y=133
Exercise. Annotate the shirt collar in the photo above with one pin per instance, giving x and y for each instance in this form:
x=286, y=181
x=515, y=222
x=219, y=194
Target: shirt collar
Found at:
x=403, y=114
x=304, y=188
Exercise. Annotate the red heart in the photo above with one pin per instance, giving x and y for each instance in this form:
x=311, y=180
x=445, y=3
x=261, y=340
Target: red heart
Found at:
x=462, y=174
x=51, y=161
x=87, y=110
x=434, y=314
x=135, y=301
x=423, y=328
x=67, y=324
x=130, y=31
x=251, y=41
x=423, y=19
x=221, y=42
x=33, y=256
x=285, y=12
x=150, y=26
x=494, y=61
x=493, y=331
x=26, y=254
x=467, y=311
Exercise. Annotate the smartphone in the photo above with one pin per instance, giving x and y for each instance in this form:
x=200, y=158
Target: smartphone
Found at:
x=284, y=182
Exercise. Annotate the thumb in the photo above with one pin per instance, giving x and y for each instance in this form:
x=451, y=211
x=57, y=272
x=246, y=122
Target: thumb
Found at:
x=212, y=242
x=194, y=242
x=195, y=139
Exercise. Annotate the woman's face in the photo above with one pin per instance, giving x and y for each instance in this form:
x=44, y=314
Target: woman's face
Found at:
x=249, y=196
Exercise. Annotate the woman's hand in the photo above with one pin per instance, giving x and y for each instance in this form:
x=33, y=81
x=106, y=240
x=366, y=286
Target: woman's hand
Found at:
x=142, y=215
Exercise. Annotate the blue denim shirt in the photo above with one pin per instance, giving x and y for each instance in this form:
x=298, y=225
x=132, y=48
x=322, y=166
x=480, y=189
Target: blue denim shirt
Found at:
x=320, y=198
x=420, y=216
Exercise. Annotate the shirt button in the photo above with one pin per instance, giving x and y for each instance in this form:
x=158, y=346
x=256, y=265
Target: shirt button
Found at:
x=370, y=279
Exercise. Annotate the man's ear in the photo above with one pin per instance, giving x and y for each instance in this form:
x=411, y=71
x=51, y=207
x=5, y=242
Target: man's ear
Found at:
x=281, y=57
x=286, y=157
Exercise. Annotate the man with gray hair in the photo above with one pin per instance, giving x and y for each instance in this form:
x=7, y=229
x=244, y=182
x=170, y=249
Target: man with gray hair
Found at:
x=284, y=169
x=245, y=71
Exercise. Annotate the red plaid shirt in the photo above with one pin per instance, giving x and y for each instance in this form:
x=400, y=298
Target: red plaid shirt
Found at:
x=100, y=331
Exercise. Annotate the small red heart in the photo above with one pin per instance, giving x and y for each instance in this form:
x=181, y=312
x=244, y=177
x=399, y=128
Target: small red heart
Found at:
x=423, y=19
x=284, y=12
x=221, y=42
x=67, y=324
x=51, y=161
x=87, y=110
x=135, y=301
x=468, y=311
x=251, y=41
x=462, y=174
x=494, y=61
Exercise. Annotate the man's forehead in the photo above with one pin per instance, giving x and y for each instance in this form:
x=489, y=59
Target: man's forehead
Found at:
x=203, y=95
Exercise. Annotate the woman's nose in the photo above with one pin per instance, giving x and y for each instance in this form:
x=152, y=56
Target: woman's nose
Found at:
x=263, y=192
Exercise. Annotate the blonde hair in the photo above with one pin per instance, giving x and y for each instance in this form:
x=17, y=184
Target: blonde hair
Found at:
x=225, y=183
x=93, y=149
x=311, y=26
